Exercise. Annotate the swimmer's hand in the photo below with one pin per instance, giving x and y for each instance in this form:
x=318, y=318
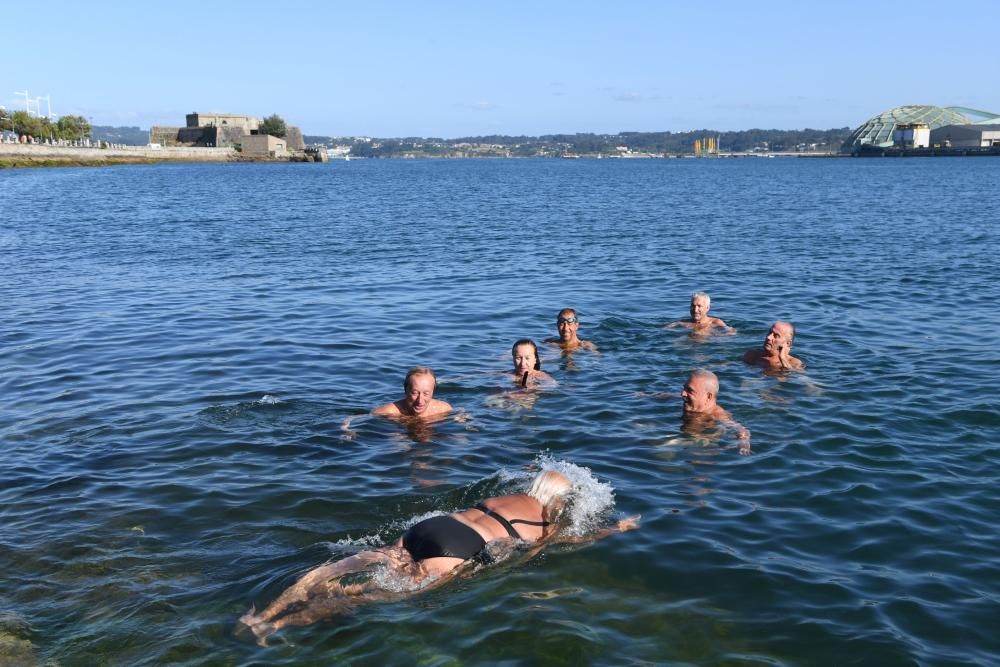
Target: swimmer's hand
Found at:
x=629, y=523
x=783, y=356
x=744, y=442
x=345, y=429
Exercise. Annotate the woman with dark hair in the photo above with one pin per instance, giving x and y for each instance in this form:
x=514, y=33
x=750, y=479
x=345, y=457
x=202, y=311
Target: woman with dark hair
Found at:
x=527, y=366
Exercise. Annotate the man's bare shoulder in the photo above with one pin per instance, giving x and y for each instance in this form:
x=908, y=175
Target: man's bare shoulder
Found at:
x=588, y=345
x=720, y=413
x=438, y=408
x=752, y=356
x=387, y=410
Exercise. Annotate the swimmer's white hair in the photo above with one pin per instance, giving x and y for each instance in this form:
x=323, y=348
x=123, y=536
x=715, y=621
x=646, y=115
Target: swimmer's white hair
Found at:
x=710, y=380
x=701, y=295
x=549, y=485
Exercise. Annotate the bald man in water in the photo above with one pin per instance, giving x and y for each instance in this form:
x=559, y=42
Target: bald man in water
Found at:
x=701, y=411
x=775, y=353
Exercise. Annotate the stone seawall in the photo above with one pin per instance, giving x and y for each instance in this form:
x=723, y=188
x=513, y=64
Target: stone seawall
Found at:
x=128, y=153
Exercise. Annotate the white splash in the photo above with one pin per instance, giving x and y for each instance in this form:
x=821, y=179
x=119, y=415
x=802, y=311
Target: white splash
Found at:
x=590, y=500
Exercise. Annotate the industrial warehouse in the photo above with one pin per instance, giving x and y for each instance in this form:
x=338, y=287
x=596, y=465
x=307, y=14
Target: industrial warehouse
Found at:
x=926, y=130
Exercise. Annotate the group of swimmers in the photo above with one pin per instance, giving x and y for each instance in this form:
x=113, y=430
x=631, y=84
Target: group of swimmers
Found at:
x=699, y=394
x=436, y=549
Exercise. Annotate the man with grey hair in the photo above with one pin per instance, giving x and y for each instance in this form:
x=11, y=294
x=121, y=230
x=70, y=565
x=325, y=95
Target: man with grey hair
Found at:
x=701, y=323
x=700, y=410
x=774, y=354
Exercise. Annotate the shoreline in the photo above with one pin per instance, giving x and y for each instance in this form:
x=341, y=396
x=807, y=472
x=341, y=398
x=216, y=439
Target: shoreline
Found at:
x=16, y=156
x=39, y=155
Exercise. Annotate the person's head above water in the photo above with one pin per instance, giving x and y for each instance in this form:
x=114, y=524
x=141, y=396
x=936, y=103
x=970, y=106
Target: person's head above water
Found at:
x=525, y=354
x=567, y=323
x=418, y=389
x=781, y=334
x=700, y=304
x=700, y=392
x=418, y=398
x=774, y=354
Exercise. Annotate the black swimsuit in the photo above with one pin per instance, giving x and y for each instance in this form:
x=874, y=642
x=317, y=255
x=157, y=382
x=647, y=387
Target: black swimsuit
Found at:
x=446, y=536
x=442, y=536
x=507, y=524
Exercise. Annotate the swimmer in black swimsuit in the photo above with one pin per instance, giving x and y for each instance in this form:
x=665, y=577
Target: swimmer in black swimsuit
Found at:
x=428, y=554
x=442, y=536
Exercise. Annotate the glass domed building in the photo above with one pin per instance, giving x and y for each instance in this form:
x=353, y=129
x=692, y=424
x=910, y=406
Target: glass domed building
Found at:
x=877, y=131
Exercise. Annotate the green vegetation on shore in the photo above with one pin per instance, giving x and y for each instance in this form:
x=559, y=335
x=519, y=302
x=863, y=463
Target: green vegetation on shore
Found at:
x=67, y=127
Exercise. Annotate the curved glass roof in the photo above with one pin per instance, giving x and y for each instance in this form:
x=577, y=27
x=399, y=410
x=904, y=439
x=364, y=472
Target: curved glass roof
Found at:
x=877, y=131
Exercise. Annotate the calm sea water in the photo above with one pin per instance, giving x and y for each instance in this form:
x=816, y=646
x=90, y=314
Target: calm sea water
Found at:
x=180, y=344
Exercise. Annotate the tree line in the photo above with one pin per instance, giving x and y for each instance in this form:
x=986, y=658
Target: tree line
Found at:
x=67, y=127
x=675, y=143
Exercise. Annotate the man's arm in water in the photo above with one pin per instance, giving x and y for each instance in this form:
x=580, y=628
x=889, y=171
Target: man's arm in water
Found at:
x=726, y=329
x=742, y=432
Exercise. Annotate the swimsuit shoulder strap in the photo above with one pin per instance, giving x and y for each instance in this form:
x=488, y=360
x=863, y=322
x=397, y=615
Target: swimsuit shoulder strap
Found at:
x=499, y=519
x=507, y=524
x=532, y=523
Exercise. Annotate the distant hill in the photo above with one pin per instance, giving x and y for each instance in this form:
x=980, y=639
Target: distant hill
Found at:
x=676, y=143
x=130, y=136
x=552, y=145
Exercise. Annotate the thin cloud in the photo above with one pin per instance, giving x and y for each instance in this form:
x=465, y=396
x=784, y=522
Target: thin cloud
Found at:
x=477, y=106
x=634, y=98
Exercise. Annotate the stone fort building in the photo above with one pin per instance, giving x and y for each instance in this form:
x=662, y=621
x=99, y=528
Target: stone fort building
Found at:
x=221, y=130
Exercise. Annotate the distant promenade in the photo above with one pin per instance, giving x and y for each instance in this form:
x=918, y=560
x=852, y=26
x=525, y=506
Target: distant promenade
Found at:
x=40, y=155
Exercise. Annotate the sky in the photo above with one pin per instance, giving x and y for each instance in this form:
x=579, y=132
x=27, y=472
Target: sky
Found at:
x=465, y=68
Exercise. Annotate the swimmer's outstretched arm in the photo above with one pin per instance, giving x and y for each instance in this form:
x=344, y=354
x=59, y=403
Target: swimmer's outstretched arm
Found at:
x=345, y=426
x=622, y=526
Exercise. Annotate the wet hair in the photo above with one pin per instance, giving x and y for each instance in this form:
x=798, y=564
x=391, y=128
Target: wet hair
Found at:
x=528, y=341
x=418, y=370
x=567, y=312
x=702, y=295
x=548, y=486
x=710, y=378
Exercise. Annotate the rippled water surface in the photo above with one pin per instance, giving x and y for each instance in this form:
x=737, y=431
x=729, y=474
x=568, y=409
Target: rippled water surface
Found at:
x=181, y=343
